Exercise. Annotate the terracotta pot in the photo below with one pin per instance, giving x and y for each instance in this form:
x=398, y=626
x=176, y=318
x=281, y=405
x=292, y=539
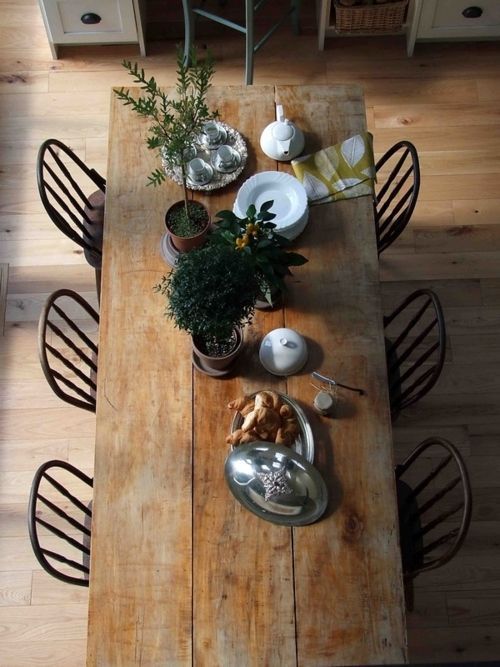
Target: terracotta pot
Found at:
x=217, y=364
x=187, y=243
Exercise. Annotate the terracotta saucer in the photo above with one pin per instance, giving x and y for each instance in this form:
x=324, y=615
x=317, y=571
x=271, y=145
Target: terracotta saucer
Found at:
x=203, y=368
x=168, y=251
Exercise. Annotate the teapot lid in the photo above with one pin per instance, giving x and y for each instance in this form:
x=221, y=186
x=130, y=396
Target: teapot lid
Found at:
x=282, y=131
x=283, y=351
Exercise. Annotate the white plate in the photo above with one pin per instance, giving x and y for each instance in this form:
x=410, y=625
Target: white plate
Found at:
x=287, y=193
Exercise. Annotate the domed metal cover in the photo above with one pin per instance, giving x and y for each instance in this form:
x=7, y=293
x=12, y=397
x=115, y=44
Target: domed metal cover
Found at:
x=276, y=483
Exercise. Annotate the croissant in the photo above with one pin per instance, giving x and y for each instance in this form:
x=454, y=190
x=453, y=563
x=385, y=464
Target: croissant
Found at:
x=234, y=437
x=268, y=399
x=251, y=436
x=291, y=427
x=283, y=438
x=265, y=418
x=241, y=404
x=286, y=411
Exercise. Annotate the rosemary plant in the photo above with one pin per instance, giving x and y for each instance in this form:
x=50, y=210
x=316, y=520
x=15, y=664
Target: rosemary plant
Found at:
x=176, y=120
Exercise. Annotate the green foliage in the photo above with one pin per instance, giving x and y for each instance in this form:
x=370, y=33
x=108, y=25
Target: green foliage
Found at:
x=210, y=292
x=176, y=121
x=254, y=238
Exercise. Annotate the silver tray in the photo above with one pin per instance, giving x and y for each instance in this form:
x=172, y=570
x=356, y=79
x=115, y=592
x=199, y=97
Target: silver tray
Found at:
x=304, y=443
x=219, y=179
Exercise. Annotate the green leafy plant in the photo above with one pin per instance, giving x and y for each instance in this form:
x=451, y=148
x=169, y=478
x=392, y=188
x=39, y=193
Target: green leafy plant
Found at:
x=255, y=238
x=211, y=292
x=176, y=120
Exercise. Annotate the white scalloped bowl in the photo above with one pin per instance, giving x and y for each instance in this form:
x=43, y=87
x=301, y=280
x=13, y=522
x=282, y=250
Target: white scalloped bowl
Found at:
x=288, y=194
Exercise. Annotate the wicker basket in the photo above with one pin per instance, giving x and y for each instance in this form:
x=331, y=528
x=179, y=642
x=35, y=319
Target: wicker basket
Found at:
x=386, y=17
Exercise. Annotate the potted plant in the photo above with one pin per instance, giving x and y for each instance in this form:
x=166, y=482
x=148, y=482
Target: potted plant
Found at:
x=255, y=238
x=176, y=123
x=211, y=295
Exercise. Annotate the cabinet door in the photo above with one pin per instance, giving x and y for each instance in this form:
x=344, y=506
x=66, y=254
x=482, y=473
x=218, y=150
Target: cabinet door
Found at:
x=90, y=21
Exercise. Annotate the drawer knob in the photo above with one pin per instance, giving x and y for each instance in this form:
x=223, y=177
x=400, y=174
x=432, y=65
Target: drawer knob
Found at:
x=90, y=18
x=472, y=12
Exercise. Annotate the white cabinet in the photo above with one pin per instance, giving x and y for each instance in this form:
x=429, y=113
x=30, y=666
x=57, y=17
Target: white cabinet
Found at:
x=453, y=19
x=92, y=22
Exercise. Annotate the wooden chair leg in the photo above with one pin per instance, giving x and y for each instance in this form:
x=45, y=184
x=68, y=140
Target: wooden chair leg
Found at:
x=188, y=29
x=249, y=42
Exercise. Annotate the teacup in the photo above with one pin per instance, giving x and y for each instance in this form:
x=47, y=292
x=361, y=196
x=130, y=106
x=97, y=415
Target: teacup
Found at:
x=225, y=157
x=198, y=171
x=212, y=131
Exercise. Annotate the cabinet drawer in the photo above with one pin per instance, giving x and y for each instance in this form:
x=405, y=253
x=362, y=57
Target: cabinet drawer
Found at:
x=108, y=21
x=458, y=18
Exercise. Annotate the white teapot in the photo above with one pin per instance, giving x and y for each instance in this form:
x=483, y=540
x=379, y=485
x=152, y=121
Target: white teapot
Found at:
x=282, y=140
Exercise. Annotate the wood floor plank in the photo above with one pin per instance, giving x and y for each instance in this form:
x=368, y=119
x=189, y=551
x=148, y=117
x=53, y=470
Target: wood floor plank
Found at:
x=440, y=265
x=49, y=591
x=433, y=115
x=29, y=454
x=41, y=622
x=56, y=653
x=475, y=211
x=456, y=293
x=32, y=423
x=474, y=608
x=23, y=82
x=438, y=645
x=15, y=588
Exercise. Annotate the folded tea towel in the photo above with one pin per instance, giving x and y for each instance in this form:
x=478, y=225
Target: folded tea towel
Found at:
x=342, y=171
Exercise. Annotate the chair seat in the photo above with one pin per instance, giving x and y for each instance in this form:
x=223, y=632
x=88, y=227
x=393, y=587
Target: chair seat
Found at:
x=410, y=545
x=95, y=228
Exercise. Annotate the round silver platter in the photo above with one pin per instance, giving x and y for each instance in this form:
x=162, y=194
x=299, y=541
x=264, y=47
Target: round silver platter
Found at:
x=304, y=443
x=219, y=179
x=276, y=483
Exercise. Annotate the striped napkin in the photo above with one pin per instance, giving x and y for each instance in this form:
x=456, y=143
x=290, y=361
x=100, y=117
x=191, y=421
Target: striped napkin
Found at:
x=342, y=171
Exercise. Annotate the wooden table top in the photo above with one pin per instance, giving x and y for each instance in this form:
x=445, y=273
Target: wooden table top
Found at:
x=181, y=573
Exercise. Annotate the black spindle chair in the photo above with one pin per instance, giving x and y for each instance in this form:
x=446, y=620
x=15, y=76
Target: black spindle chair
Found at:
x=67, y=188
x=415, y=337
x=398, y=177
x=434, y=503
x=67, y=346
x=59, y=521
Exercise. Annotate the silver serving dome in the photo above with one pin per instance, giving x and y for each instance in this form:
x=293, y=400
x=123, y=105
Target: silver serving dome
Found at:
x=276, y=483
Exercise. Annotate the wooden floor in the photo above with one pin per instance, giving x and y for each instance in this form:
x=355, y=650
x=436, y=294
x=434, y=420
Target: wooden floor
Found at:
x=446, y=99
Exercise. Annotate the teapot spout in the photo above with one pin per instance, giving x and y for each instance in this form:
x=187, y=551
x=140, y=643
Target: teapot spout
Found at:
x=284, y=146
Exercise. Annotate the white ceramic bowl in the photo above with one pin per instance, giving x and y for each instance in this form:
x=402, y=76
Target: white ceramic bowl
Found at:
x=287, y=193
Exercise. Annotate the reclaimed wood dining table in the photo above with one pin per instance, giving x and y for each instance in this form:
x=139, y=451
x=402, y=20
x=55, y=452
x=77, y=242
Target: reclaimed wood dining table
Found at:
x=181, y=573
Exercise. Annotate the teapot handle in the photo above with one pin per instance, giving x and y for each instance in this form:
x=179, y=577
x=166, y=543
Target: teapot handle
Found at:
x=280, y=115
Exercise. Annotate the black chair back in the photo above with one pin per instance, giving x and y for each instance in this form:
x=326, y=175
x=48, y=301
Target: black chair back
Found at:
x=434, y=502
x=68, y=192
x=415, y=348
x=59, y=521
x=67, y=347
x=398, y=177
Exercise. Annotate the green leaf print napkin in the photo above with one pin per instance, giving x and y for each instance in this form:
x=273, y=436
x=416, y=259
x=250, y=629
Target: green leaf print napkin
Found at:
x=342, y=171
